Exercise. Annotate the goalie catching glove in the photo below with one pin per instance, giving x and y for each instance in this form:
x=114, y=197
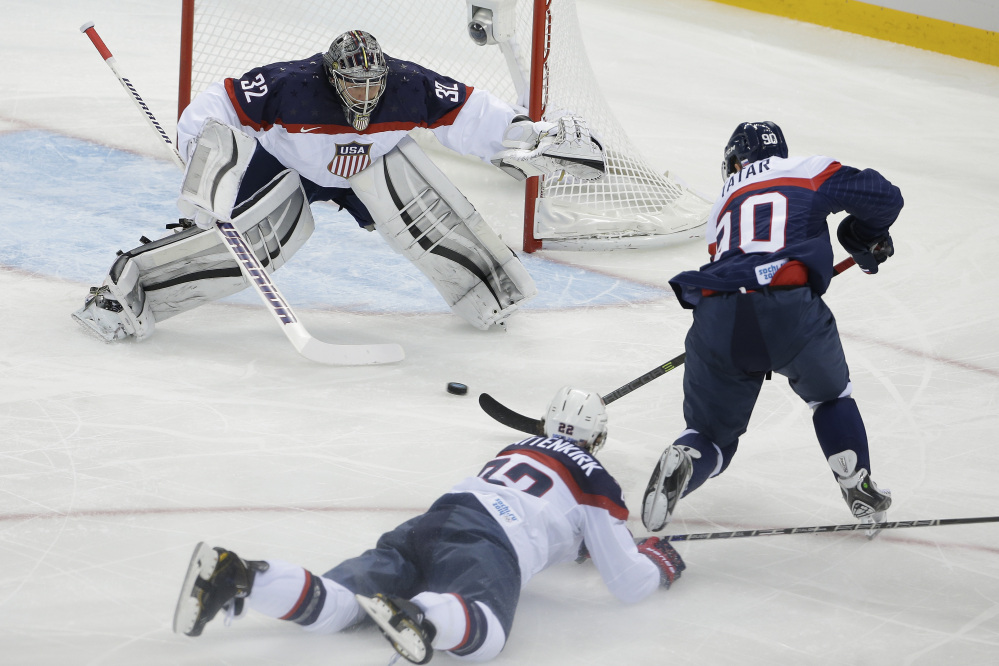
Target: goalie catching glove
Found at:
x=868, y=252
x=546, y=149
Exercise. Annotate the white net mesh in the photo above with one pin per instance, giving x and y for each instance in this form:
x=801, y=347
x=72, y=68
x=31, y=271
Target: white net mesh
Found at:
x=632, y=205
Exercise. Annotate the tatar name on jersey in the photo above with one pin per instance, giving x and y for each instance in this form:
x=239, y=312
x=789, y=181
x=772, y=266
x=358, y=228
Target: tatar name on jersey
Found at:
x=770, y=172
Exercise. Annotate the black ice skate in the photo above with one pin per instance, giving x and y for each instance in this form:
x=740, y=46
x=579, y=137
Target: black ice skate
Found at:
x=403, y=625
x=667, y=484
x=217, y=579
x=868, y=503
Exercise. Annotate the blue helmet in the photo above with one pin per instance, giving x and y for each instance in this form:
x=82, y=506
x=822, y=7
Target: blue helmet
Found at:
x=751, y=142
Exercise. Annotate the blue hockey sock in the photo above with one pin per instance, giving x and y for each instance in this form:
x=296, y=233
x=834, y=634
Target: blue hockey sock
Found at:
x=839, y=428
x=708, y=459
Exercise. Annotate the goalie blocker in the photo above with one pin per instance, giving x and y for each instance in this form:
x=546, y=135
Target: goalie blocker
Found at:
x=424, y=217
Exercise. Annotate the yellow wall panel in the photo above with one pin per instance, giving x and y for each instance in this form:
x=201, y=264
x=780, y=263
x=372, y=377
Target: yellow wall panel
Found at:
x=888, y=24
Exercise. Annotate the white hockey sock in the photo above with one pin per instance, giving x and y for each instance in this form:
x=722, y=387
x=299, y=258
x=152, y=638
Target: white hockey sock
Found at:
x=472, y=633
x=288, y=592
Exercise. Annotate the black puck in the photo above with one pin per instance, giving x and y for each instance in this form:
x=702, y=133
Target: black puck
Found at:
x=457, y=388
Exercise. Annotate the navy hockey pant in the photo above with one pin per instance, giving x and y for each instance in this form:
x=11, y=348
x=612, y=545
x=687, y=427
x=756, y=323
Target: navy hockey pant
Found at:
x=455, y=547
x=263, y=167
x=736, y=339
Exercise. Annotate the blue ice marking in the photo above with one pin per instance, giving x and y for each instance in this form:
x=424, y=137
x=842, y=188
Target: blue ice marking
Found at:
x=69, y=204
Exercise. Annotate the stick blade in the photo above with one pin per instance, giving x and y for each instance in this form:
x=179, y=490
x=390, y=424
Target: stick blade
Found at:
x=332, y=354
x=510, y=418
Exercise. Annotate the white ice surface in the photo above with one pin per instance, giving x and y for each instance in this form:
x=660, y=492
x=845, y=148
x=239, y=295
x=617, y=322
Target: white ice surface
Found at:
x=116, y=460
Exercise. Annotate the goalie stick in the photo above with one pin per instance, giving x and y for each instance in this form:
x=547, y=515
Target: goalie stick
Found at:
x=820, y=529
x=253, y=270
x=500, y=412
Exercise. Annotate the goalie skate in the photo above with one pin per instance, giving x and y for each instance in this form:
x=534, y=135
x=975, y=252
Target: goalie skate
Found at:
x=403, y=625
x=117, y=309
x=101, y=316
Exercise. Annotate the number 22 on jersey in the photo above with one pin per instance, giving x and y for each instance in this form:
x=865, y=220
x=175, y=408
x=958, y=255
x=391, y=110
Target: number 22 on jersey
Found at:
x=520, y=475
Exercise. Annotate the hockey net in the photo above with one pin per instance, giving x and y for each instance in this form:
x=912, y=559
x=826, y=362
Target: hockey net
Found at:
x=633, y=205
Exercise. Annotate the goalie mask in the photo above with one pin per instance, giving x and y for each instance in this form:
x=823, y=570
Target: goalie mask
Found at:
x=752, y=142
x=357, y=70
x=578, y=415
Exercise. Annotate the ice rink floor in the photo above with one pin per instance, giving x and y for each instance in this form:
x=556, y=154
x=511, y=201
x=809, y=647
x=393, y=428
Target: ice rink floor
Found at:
x=116, y=460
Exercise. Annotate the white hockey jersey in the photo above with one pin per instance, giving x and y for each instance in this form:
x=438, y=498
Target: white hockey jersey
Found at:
x=550, y=496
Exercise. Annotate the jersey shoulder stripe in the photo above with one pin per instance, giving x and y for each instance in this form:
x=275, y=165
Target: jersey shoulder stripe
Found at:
x=769, y=178
x=584, y=476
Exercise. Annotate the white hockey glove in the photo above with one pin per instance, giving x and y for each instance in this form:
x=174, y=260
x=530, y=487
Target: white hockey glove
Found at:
x=546, y=149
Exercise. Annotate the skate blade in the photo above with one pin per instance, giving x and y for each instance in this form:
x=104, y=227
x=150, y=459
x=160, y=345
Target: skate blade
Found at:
x=95, y=330
x=874, y=520
x=404, y=637
x=655, y=507
x=185, y=615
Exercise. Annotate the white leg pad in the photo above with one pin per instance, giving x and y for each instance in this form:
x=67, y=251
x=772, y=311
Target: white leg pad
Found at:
x=424, y=217
x=181, y=271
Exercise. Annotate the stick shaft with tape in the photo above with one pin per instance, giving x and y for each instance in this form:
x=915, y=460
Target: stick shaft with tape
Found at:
x=90, y=31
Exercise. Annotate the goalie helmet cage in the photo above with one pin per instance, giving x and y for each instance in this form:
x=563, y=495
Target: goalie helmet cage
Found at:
x=539, y=64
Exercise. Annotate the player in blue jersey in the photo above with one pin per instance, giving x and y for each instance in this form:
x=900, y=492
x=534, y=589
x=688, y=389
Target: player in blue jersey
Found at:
x=758, y=309
x=450, y=579
x=335, y=127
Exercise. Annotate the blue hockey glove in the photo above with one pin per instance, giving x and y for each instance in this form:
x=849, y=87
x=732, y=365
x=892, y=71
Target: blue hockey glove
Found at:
x=867, y=252
x=664, y=556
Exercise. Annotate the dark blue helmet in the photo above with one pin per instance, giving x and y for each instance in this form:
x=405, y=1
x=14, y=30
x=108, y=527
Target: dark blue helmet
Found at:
x=751, y=142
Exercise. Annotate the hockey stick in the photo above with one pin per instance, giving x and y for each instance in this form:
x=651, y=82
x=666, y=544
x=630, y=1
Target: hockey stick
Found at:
x=819, y=529
x=500, y=412
x=253, y=270
x=512, y=419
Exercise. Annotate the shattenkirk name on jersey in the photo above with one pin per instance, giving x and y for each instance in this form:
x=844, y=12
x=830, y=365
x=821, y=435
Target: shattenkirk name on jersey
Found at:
x=584, y=460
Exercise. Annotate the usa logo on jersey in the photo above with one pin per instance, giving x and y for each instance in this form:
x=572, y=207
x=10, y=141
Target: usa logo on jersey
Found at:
x=350, y=158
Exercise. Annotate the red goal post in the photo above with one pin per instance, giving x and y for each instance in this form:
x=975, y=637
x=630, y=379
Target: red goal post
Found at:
x=534, y=58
